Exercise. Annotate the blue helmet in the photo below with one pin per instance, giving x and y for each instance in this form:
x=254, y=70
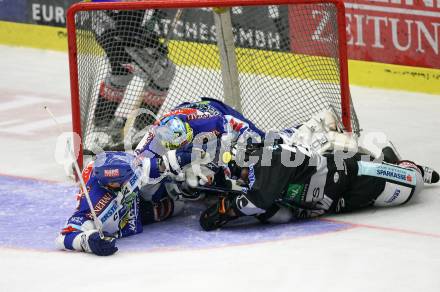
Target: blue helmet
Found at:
x=113, y=167
x=174, y=133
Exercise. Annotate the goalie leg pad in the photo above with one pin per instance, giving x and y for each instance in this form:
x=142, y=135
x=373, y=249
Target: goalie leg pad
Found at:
x=150, y=65
x=321, y=133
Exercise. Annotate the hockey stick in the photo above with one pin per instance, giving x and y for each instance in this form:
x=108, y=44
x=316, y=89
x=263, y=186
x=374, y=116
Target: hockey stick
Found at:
x=96, y=221
x=130, y=103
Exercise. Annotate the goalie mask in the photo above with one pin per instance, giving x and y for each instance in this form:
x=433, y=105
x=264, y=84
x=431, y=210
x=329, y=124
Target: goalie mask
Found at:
x=174, y=133
x=113, y=167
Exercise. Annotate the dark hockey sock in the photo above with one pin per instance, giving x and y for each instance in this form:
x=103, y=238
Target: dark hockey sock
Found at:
x=104, y=111
x=148, y=118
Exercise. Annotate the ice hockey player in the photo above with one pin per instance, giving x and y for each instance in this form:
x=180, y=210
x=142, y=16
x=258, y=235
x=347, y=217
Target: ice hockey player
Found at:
x=292, y=182
x=126, y=194
x=132, y=48
x=198, y=122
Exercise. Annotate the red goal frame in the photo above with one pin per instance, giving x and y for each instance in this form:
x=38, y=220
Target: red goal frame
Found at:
x=84, y=6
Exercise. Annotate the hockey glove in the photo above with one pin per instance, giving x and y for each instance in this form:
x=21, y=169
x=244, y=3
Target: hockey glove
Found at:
x=99, y=246
x=176, y=160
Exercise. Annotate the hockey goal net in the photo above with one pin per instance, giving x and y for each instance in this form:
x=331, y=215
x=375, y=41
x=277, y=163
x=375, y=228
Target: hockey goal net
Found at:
x=277, y=61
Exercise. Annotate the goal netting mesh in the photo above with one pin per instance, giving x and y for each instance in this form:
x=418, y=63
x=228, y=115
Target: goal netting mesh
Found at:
x=288, y=63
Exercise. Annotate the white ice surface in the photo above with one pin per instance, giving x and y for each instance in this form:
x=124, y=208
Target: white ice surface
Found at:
x=389, y=250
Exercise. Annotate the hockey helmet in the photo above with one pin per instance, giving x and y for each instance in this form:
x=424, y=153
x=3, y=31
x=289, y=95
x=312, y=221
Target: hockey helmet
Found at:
x=174, y=133
x=113, y=167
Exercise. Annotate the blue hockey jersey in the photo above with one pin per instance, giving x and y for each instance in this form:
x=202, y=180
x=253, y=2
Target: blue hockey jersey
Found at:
x=208, y=118
x=119, y=209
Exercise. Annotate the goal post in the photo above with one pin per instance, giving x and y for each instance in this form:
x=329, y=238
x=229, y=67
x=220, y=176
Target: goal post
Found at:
x=279, y=62
x=228, y=59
